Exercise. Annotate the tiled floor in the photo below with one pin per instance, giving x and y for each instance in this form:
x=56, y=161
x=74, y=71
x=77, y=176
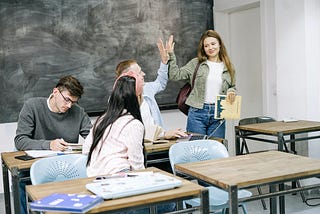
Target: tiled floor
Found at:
x=294, y=205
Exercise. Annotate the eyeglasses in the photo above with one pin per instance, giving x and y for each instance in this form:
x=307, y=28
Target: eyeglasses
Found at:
x=68, y=100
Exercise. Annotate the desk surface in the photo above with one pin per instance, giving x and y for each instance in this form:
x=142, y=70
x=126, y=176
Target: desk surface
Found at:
x=273, y=128
x=252, y=169
x=188, y=188
x=9, y=159
x=158, y=147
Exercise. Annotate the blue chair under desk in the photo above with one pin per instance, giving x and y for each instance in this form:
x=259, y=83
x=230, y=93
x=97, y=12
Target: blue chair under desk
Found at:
x=58, y=168
x=199, y=150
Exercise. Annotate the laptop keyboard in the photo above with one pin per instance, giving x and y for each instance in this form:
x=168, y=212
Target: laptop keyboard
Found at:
x=198, y=137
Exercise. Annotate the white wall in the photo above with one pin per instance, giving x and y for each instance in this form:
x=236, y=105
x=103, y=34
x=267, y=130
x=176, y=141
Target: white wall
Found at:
x=7, y=133
x=290, y=46
x=312, y=56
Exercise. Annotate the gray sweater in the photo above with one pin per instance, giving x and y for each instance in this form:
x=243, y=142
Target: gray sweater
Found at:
x=37, y=125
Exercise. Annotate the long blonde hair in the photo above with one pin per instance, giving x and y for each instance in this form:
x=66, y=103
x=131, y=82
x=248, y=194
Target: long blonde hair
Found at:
x=223, y=55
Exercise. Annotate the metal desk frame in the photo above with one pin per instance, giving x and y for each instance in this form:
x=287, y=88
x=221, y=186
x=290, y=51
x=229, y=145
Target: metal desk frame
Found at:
x=233, y=182
x=284, y=132
x=20, y=171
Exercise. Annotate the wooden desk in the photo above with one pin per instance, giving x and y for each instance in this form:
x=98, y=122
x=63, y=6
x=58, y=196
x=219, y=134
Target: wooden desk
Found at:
x=244, y=171
x=20, y=171
x=284, y=132
x=186, y=191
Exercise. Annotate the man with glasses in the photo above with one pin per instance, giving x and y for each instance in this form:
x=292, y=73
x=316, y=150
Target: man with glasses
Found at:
x=51, y=123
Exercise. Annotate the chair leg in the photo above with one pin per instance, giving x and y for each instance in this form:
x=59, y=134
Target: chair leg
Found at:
x=244, y=208
x=262, y=200
x=244, y=146
x=303, y=197
x=242, y=205
x=286, y=148
x=224, y=210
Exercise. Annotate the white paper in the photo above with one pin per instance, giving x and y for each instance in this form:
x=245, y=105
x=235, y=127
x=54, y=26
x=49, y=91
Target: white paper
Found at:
x=44, y=153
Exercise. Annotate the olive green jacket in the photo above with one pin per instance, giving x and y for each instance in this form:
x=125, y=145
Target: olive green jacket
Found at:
x=185, y=73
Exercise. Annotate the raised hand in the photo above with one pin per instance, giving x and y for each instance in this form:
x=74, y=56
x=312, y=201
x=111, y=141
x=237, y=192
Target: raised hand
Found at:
x=163, y=52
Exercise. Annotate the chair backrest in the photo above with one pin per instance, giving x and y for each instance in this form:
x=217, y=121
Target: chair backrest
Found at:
x=58, y=168
x=252, y=120
x=197, y=150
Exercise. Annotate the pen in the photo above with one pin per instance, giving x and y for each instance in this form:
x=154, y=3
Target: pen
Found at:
x=118, y=175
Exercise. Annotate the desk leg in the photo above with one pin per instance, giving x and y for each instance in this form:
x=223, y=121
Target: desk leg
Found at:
x=237, y=141
x=293, y=144
x=280, y=142
x=273, y=200
x=204, y=201
x=6, y=189
x=282, y=200
x=15, y=189
x=233, y=199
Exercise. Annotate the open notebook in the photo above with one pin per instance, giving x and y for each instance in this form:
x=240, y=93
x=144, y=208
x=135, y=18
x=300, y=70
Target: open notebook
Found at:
x=152, y=133
x=129, y=184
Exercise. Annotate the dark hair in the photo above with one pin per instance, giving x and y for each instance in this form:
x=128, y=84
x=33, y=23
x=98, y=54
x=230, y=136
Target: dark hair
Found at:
x=223, y=55
x=123, y=97
x=123, y=66
x=71, y=84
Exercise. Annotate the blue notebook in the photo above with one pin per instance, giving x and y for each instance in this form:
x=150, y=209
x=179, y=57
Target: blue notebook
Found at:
x=75, y=203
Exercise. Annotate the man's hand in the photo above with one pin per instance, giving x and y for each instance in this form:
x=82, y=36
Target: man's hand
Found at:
x=58, y=145
x=163, y=52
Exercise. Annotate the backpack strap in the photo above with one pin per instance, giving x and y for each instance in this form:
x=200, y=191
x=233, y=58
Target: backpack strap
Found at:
x=194, y=75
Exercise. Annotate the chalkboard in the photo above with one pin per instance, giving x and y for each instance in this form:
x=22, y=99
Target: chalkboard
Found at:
x=43, y=40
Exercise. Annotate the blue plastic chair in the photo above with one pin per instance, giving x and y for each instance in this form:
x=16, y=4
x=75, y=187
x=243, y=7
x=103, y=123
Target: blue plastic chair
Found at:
x=199, y=150
x=58, y=168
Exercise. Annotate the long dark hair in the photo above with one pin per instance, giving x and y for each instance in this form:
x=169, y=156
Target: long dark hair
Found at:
x=123, y=101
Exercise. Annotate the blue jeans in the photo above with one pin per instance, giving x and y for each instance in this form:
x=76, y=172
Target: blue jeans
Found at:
x=202, y=121
x=22, y=192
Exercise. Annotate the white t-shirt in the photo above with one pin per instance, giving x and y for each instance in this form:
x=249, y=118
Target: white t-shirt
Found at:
x=214, y=81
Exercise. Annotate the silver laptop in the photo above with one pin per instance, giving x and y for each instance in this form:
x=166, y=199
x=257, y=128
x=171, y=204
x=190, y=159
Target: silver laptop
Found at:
x=193, y=137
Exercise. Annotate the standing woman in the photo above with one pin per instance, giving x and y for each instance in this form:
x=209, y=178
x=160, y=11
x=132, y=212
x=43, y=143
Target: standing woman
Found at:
x=216, y=76
x=115, y=143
